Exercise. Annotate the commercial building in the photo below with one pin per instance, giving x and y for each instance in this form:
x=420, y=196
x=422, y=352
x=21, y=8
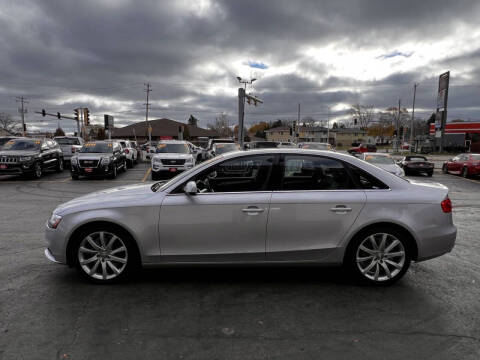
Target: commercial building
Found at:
x=162, y=129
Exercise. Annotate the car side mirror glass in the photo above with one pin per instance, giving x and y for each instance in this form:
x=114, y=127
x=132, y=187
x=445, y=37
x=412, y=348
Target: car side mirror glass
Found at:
x=191, y=188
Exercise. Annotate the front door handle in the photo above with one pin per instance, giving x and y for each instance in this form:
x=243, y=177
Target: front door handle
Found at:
x=340, y=209
x=253, y=210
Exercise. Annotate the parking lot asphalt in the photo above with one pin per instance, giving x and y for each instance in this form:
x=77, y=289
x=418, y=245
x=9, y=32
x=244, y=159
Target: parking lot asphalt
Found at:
x=48, y=312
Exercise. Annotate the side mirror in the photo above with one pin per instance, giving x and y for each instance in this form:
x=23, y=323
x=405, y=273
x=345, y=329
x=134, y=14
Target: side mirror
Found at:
x=191, y=188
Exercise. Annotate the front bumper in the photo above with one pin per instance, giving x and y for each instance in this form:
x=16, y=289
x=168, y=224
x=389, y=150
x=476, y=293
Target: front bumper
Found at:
x=17, y=169
x=101, y=170
x=169, y=170
x=56, y=244
x=50, y=257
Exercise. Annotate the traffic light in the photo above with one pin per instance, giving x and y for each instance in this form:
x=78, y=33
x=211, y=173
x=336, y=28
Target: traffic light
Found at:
x=401, y=130
x=44, y=112
x=59, y=116
x=355, y=121
x=75, y=112
x=394, y=133
x=24, y=127
x=86, y=116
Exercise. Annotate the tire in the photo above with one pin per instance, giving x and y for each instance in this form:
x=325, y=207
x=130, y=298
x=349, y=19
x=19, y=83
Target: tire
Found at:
x=37, y=170
x=430, y=173
x=407, y=173
x=373, y=268
x=105, y=254
x=465, y=172
x=129, y=164
x=74, y=177
x=155, y=176
x=113, y=175
x=125, y=164
x=444, y=169
x=60, y=164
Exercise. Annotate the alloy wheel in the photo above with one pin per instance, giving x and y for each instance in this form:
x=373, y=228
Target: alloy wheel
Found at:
x=380, y=257
x=102, y=255
x=38, y=170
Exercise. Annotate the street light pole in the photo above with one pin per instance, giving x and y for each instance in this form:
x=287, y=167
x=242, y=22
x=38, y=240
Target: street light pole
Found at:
x=241, y=108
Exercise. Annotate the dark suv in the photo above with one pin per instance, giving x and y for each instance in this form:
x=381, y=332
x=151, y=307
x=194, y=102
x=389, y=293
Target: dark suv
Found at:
x=98, y=158
x=25, y=156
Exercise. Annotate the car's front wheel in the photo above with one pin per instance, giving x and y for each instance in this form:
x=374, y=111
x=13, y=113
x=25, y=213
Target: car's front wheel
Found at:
x=465, y=172
x=59, y=165
x=444, y=169
x=379, y=256
x=105, y=255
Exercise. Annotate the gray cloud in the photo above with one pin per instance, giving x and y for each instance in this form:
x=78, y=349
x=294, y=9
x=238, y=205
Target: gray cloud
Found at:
x=64, y=54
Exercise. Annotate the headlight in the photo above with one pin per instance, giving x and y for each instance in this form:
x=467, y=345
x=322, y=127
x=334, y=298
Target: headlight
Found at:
x=106, y=160
x=190, y=160
x=74, y=160
x=54, y=221
x=156, y=160
x=25, y=158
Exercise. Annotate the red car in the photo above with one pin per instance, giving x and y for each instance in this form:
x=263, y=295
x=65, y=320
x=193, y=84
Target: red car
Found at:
x=362, y=148
x=463, y=164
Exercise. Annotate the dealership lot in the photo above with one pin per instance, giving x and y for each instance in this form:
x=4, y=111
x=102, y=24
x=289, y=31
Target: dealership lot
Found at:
x=48, y=312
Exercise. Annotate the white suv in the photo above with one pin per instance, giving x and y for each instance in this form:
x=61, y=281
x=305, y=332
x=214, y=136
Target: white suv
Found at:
x=131, y=152
x=170, y=158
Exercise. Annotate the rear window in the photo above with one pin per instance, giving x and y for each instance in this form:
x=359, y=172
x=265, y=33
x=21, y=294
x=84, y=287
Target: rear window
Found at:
x=67, y=141
x=365, y=180
x=416, y=158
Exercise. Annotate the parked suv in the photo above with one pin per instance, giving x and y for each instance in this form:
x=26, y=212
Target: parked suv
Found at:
x=69, y=145
x=25, y=156
x=101, y=158
x=171, y=157
x=131, y=152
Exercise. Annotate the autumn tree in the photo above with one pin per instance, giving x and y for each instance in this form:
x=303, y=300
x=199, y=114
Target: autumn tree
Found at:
x=192, y=120
x=59, y=132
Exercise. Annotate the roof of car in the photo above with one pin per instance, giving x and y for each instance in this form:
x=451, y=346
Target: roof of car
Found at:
x=376, y=154
x=172, y=142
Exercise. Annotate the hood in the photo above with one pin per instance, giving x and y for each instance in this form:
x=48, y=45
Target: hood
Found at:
x=18, y=153
x=114, y=197
x=172, y=156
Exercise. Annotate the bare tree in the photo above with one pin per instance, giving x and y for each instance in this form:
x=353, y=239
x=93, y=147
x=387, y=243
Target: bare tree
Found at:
x=221, y=125
x=363, y=113
x=9, y=124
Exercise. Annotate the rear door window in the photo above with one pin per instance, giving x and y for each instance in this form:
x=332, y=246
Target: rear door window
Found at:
x=315, y=173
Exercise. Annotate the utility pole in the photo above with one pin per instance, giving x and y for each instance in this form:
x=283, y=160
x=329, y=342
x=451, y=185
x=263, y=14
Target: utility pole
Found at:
x=328, y=126
x=398, y=125
x=22, y=111
x=240, y=130
x=147, y=105
x=413, y=117
x=241, y=112
x=297, y=124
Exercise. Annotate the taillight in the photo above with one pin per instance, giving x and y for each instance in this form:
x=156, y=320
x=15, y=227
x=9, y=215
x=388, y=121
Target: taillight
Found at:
x=73, y=149
x=446, y=205
x=126, y=151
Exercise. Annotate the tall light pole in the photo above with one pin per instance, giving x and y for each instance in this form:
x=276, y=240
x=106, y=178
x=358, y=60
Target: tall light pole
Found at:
x=241, y=107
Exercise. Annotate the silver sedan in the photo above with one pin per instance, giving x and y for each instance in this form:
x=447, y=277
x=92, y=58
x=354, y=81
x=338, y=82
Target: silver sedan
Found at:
x=274, y=206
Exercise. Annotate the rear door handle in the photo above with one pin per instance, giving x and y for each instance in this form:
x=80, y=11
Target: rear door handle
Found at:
x=253, y=210
x=340, y=209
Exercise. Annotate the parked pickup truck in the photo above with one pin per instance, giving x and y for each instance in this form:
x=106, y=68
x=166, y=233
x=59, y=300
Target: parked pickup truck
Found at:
x=69, y=145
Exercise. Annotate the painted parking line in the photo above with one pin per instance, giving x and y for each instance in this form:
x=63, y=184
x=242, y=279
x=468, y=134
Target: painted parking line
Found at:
x=146, y=174
x=461, y=177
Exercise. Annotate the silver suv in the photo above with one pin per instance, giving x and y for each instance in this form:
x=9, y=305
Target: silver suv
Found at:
x=171, y=157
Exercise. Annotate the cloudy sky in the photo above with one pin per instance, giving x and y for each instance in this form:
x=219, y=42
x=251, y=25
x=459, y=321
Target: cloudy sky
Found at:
x=326, y=55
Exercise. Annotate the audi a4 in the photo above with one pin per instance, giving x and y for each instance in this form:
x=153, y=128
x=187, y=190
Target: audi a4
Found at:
x=271, y=206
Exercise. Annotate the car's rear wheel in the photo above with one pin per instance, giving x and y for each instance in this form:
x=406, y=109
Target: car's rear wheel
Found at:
x=430, y=173
x=444, y=169
x=105, y=255
x=379, y=256
x=113, y=174
x=465, y=172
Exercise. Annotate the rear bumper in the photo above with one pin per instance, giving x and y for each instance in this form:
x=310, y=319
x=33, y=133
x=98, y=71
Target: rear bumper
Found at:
x=438, y=244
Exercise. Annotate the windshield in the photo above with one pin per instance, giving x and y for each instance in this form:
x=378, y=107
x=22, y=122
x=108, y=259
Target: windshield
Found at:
x=97, y=147
x=173, y=148
x=162, y=185
x=417, y=159
x=67, y=141
x=224, y=148
x=384, y=160
x=3, y=141
x=265, y=145
x=22, y=144
x=476, y=157
x=316, y=146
